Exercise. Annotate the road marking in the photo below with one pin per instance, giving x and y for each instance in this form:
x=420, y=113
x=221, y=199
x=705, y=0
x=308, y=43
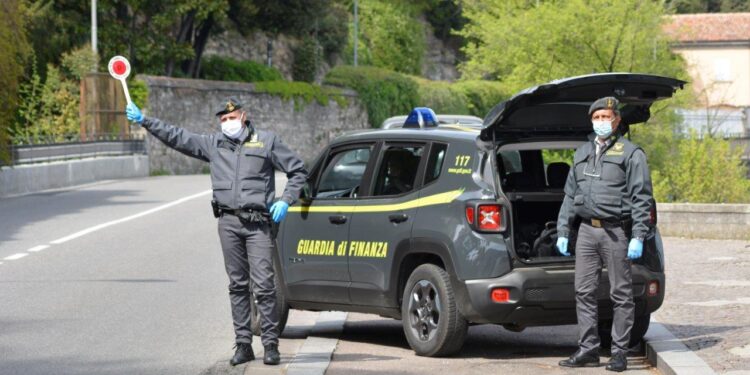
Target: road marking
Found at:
x=128, y=218
x=722, y=258
x=720, y=283
x=16, y=256
x=714, y=303
x=314, y=356
x=37, y=248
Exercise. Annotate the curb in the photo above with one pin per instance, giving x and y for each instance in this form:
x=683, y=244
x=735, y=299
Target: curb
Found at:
x=670, y=356
x=315, y=354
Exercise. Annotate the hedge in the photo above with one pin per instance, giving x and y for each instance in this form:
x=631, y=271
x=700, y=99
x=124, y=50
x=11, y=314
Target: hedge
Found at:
x=301, y=92
x=386, y=93
x=226, y=69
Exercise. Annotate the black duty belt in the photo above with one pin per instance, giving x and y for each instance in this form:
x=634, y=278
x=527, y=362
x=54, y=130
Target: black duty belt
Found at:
x=246, y=214
x=608, y=223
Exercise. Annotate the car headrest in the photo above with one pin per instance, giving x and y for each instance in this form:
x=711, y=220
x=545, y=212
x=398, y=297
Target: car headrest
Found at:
x=556, y=174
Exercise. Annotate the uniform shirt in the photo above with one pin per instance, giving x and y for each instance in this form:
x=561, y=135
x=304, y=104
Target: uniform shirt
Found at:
x=242, y=171
x=616, y=185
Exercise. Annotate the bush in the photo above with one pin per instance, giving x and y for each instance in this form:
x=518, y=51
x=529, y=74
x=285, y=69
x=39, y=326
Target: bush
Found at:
x=704, y=170
x=461, y=98
x=386, y=93
x=383, y=92
x=306, y=60
x=301, y=92
x=138, y=92
x=226, y=69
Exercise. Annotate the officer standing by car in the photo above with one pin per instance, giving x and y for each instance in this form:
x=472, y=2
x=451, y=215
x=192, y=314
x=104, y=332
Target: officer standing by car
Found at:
x=242, y=161
x=609, y=188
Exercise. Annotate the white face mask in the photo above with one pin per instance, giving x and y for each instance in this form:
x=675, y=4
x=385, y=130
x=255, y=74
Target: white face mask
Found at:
x=603, y=128
x=231, y=128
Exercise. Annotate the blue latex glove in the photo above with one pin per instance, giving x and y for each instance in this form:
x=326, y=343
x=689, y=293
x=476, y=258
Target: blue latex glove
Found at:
x=635, y=249
x=278, y=211
x=134, y=113
x=562, y=246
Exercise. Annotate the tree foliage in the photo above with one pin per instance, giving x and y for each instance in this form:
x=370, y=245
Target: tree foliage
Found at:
x=14, y=53
x=523, y=44
x=390, y=36
x=707, y=170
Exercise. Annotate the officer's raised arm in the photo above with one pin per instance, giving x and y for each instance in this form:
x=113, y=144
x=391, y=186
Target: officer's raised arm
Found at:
x=640, y=192
x=182, y=140
x=287, y=161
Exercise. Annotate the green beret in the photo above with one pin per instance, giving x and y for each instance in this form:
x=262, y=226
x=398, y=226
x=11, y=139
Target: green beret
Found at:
x=230, y=105
x=607, y=102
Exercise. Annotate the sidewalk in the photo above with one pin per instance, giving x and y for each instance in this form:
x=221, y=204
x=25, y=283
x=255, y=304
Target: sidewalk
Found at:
x=707, y=302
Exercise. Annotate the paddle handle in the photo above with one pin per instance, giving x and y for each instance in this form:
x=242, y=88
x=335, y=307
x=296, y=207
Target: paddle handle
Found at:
x=127, y=93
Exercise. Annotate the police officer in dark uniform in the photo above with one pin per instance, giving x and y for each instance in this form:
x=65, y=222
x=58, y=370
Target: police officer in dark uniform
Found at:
x=242, y=161
x=609, y=188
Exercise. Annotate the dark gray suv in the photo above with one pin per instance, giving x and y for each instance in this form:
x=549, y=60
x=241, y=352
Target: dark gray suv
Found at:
x=443, y=227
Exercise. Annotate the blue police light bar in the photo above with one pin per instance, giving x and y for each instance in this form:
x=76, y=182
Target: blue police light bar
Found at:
x=421, y=117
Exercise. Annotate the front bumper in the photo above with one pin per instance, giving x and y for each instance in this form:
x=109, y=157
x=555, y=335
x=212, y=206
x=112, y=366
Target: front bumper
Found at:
x=540, y=296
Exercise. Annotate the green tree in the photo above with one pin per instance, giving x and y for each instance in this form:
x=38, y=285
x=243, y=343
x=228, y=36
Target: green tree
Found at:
x=390, y=36
x=708, y=6
x=523, y=44
x=13, y=54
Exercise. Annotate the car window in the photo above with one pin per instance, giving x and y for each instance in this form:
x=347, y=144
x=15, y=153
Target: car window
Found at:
x=343, y=173
x=511, y=161
x=435, y=163
x=398, y=170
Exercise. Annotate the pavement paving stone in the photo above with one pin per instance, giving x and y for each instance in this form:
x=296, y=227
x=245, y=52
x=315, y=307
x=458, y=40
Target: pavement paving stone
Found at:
x=704, y=305
x=374, y=345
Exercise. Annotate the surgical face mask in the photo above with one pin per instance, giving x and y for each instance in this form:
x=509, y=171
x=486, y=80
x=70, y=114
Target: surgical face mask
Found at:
x=231, y=128
x=603, y=128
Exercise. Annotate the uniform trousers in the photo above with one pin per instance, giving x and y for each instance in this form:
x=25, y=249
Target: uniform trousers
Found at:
x=248, y=259
x=597, y=248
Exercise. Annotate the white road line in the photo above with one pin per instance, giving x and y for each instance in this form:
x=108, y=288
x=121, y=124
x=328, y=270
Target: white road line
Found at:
x=722, y=258
x=720, y=283
x=132, y=217
x=37, y=248
x=16, y=256
x=715, y=303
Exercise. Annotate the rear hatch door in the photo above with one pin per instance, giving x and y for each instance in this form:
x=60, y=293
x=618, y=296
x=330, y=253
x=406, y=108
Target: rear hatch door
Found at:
x=560, y=108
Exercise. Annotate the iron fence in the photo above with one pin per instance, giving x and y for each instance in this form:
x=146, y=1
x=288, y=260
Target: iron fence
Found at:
x=95, y=146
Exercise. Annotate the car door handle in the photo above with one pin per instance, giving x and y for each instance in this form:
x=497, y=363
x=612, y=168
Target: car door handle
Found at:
x=398, y=218
x=337, y=219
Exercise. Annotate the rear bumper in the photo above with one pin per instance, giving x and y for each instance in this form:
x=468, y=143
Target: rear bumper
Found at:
x=540, y=296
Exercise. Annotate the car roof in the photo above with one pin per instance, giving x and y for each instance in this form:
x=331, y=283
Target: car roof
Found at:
x=446, y=133
x=444, y=119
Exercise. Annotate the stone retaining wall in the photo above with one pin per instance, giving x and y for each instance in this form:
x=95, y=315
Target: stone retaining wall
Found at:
x=192, y=103
x=716, y=221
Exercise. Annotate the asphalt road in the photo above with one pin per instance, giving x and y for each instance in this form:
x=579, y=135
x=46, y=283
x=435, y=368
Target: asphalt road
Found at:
x=142, y=296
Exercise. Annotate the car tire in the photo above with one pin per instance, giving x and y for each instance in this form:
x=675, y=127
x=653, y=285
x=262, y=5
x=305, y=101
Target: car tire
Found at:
x=281, y=306
x=640, y=326
x=432, y=323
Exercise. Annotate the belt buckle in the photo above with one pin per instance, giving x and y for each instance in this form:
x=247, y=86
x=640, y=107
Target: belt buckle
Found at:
x=596, y=223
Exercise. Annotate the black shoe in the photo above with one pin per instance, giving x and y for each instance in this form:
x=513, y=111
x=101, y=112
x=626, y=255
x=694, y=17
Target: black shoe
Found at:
x=618, y=362
x=271, y=356
x=580, y=359
x=244, y=353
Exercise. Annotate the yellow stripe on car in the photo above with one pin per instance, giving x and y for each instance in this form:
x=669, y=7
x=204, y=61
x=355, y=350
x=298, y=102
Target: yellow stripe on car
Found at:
x=431, y=200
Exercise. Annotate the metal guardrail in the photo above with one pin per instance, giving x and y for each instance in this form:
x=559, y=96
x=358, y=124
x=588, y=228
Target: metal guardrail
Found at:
x=104, y=146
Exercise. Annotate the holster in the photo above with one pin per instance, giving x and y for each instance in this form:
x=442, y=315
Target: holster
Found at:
x=215, y=208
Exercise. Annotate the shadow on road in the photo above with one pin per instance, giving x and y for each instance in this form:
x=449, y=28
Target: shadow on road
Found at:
x=483, y=341
x=16, y=213
x=699, y=337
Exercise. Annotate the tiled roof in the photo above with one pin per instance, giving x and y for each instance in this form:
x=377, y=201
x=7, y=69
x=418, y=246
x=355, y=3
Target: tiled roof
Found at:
x=709, y=27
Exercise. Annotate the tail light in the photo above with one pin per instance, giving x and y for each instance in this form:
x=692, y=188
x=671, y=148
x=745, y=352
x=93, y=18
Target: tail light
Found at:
x=485, y=217
x=470, y=215
x=653, y=288
x=500, y=295
x=490, y=217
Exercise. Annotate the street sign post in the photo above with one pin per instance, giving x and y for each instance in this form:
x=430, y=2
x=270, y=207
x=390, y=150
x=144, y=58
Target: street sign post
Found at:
x=119, y=69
